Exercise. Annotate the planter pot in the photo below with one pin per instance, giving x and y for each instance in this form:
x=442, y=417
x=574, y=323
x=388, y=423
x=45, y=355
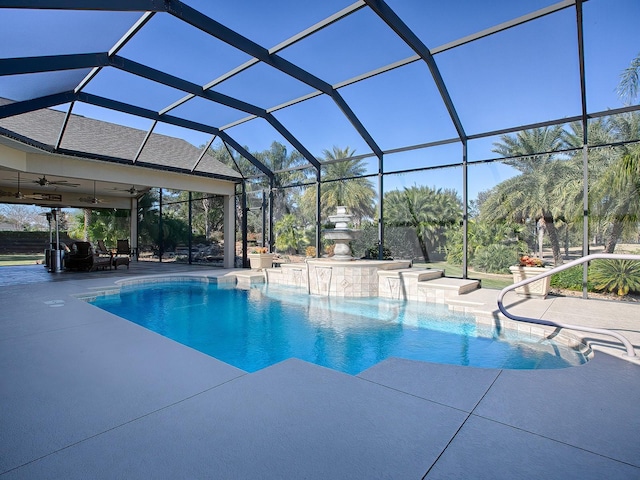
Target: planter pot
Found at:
x=261, y=260
x=538, y=289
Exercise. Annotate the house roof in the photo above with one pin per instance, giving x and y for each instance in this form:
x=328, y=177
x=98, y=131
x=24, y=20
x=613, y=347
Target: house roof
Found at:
x=103, y=140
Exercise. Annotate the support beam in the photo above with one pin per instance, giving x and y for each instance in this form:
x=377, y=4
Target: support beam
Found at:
x=406, y=34
x=158, y=76
x=144, y=141
x=107, y=5
x=64, y=126
x=50, y=63
x=133, y=225
x=196, y=90
x=146, y=113
x=225, y=34
x=585, y=147
x=18, y=108
x=229, y=231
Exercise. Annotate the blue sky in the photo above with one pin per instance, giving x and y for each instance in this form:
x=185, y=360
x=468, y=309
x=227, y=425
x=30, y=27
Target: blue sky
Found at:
x=523, y=75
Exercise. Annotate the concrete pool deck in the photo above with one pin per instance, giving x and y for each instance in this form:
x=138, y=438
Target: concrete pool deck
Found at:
x=86, y=394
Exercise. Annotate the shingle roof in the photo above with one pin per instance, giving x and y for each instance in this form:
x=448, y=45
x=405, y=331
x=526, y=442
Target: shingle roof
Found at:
x=99, y=139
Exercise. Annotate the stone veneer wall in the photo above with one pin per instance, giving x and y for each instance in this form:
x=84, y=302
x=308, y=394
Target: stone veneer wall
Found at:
x=334, y=278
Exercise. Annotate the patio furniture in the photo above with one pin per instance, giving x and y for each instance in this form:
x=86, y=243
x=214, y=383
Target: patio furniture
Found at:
x=123, y=248
x=83, y=257
x=117, y=261
x=102, y=248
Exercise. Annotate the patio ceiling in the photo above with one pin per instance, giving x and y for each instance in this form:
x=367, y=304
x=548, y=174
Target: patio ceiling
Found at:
x=380, y=77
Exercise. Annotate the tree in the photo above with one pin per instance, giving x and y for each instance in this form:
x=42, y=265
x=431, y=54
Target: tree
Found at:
x=343, y=188
x=623, y=179
x=290, y=236
x=104, y=224
x=207, y=215
x=629, y=82
x=430, y=212
x=23, y=217
x=277, y=159
x=530, y=196
x=613, y=188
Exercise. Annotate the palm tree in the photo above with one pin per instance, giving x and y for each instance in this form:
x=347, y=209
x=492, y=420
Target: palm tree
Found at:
x=623, y=180
x=342, y=189
x=629, y=82
x=571, y=193
x=530, y=196
x=429, y=211
x=614, y=200
x=277, y=159
x=87, y=222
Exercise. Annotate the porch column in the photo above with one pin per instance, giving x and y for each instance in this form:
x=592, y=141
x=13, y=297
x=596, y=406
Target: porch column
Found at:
x=133, y=225
x=229, y=231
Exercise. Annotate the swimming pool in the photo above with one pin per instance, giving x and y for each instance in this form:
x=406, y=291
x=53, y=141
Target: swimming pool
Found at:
x=257, y=327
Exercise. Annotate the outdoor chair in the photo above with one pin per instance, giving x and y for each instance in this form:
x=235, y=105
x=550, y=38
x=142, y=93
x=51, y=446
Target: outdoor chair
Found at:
x=123, y=248
x=83, y=257
x=102, y=248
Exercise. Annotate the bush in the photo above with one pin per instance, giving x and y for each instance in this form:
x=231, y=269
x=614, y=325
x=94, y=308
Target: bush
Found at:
x=495, y=258
x=621, y=276
x=570, y=279
x=372, y=253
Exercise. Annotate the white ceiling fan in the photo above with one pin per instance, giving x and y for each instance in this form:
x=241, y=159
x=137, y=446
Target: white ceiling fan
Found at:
x=94, y=200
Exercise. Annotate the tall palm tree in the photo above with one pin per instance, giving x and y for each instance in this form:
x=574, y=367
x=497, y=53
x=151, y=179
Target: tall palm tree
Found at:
x=530, y=196
x=277, y=159
x=571, y=193
x=629, y=82
x=623, y=179
x=87, y=222
x=355, y=193
x=429, y=211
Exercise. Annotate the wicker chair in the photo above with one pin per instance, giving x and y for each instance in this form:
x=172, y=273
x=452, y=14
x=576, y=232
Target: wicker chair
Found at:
x=83, y=257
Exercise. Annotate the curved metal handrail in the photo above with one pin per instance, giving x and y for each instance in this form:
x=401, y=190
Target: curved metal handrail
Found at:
x=610, y=256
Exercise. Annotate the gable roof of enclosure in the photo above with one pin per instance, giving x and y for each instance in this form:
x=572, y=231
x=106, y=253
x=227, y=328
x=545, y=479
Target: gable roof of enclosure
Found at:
x=380, y=77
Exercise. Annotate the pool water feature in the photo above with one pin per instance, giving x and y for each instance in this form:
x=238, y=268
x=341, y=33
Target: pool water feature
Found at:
x=260, y=326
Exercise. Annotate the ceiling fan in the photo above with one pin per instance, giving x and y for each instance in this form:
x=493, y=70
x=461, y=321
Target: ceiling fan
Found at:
x=94, y=200
x=132, y=191
x=45, y=182
x=34, y=196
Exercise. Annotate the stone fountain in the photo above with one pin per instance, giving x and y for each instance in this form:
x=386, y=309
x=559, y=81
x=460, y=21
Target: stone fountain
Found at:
x=344, y=276
x=340, y=275
x=341, y=234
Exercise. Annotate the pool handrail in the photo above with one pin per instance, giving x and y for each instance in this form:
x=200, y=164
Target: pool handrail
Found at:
x=587, y=258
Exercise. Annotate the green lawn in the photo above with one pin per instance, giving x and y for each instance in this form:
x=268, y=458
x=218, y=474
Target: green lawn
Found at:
x=9, y=260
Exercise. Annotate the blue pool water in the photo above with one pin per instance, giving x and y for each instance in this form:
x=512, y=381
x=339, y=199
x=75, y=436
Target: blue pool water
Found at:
x=252, y=329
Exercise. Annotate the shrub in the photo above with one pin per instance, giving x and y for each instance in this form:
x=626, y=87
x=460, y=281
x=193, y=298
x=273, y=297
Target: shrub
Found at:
x=621, y=276
x=372, y=252
x=570, y=279
x=495, y=258
x=310, y=251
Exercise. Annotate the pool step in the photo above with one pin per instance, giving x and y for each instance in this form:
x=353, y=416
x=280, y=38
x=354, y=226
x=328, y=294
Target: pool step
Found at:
x=246, y=278
x=439, y=290
x=402, y=283
x=422, y=285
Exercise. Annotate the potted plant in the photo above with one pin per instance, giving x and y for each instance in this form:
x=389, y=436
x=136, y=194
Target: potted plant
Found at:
x=527, y=268
x=260, y=258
